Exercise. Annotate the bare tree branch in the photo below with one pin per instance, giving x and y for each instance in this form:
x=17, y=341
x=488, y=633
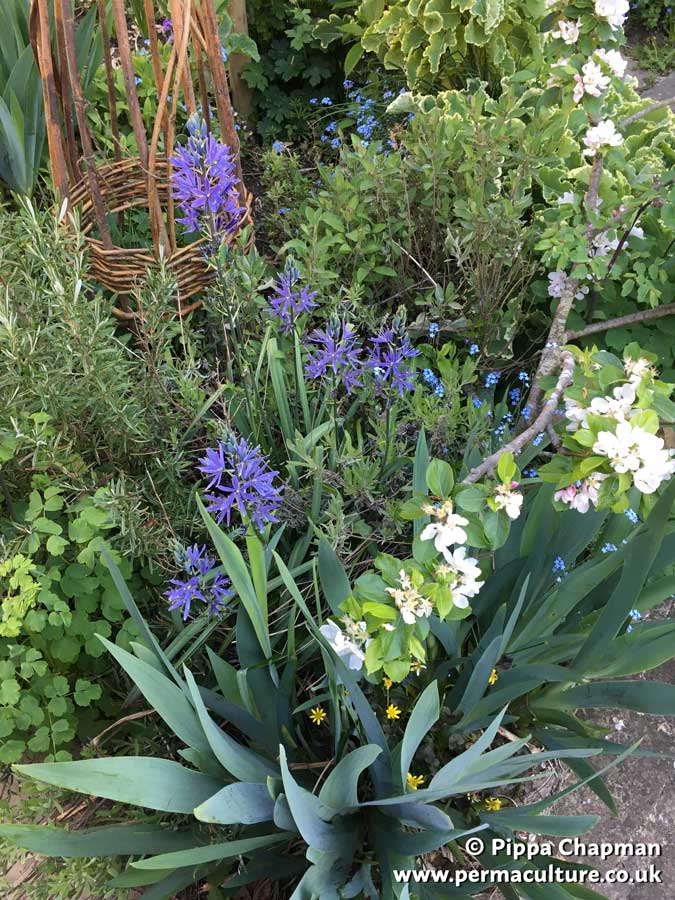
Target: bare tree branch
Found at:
x=540, y=424
x=430, y=278
x=659, y=312
x=645, y=112
x=591, y=199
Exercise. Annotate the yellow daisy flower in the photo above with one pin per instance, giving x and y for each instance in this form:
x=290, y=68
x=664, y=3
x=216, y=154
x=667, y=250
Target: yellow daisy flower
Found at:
x=388, y=683
x=414, y=781
x=492, y=804
x=318, y=715
x=393, y=712
x=493, y=676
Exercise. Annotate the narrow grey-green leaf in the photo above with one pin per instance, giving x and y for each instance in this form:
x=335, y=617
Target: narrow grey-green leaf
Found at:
x=139, y=780
x=212, y=852
x=237, y=804
x=236, y=758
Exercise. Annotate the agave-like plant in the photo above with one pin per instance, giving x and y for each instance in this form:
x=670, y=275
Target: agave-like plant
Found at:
x=330, y=813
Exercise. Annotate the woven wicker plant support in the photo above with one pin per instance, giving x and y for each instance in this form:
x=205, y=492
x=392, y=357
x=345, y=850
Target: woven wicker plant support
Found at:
x=99, y=188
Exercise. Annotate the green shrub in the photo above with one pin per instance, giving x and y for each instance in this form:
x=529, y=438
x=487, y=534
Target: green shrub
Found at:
x=440, y=44
x=291, y=68
x=652, y=14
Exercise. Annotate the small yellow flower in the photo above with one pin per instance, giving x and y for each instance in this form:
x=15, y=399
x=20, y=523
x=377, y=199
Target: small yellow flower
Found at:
x=417, y=667
x=414, y=781
x=492, y=804
x=493, y=676
x=318, y=715
x=388, y=683
x=393, y=712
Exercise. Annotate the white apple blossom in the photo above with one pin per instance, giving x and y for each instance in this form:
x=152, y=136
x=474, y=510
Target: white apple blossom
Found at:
x=632, y=449
x=409, y=602
x=461, y=573
x=592, y=81
x=603, y=244
x=619, y=405
x=582, y=495
x=567, y=31
x=346, y=649
x=448, y=530
x=614, y=60
x=509, y=500
x=636, y=369
x=576, y=414
x=604, y=134
x=561, y=285
x=614, y=11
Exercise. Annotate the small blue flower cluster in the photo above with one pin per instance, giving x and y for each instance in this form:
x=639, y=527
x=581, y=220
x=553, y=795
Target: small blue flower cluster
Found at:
x=492, y=379
x=608, y=548
x=530, y=473
x=514, y=396
x=538, y=439
x=474, y=349
x=433, y=330
x=635, y=616
x=559, y=566
x=632, y=516
x=433, y=382
x=198, y=566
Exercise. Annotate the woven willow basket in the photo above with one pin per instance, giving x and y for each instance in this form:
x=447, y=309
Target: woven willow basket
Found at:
x=122, y=269
x=101, y=188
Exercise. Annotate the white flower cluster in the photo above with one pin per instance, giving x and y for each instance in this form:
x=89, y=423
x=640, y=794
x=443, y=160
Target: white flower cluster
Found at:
x=448, y=529
x=563, y=286
x=567, y=31
x=461, y=574
x=614, y=60
x=628, y=448
x=613, y=11
x=348, y=646
x=632, y=449
x=604, y=134
x=509, y=500
x=619, y=406
x=592, y=81
x=582, y=495
x=409, y=602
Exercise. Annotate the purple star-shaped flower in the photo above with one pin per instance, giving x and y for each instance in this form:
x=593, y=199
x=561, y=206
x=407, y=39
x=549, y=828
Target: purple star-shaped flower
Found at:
x=205, y=184
x=336, y=355
x=243, y=480
x=387, y=359
x=291, y=300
